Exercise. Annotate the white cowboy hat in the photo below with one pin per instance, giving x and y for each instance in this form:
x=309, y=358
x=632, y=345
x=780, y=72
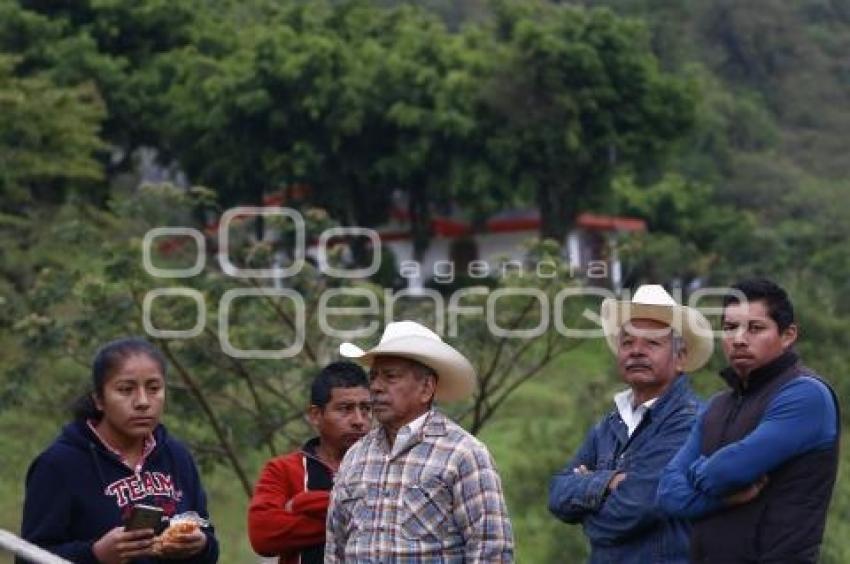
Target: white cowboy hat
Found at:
x=652, y=301
x=408, y=339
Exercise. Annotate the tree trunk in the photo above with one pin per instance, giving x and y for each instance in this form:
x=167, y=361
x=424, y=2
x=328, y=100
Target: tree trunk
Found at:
x=420, y=219
x=557, y=212
x=257, y=199
x=212, y=418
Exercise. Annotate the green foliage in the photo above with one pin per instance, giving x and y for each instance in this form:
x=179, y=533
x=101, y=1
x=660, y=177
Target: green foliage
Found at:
x=582, y=97
x=722, y=124
x=48, y=137
x=353, y=100
x=692, y=233
x=112, y=45
x=82, y=284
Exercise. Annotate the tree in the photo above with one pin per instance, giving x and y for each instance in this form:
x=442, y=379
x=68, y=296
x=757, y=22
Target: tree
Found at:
x=353, y=100
x=582, y=97
x=48, y=138
x=92, y=287
x=112, y=46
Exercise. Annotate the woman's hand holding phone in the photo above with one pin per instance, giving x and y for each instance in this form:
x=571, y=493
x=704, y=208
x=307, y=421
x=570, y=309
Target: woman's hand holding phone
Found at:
x=119, y=545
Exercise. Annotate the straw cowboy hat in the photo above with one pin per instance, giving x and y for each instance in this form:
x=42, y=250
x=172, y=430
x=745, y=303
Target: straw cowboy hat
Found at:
x=408, y=339
x=651, y=301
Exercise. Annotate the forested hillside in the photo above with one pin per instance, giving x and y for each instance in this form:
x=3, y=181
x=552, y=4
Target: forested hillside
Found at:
x=722, y=124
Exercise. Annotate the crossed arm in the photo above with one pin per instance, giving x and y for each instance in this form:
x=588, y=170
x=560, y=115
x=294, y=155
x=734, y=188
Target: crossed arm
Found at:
x=800, y=418
x=612, y=509
x=281, y=521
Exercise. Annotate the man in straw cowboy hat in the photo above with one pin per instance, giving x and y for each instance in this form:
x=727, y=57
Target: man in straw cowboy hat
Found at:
x=758, y=468
x=609, y=486
x=418, y=488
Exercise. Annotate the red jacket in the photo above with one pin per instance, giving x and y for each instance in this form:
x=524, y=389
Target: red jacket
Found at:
x=296, y=533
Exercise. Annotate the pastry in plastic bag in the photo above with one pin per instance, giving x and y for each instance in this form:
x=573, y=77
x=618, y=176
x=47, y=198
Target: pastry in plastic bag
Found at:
x=180, y=525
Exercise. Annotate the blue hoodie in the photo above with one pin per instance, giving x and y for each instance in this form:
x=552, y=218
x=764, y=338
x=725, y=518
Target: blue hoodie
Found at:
x=77, y=491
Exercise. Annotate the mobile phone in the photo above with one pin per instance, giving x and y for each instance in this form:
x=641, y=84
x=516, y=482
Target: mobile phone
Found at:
x=144, y=517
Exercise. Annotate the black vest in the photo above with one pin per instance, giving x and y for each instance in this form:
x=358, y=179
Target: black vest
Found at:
x=785, y=522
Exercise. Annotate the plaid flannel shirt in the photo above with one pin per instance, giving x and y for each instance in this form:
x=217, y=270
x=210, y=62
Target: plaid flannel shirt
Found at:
x=438, y=499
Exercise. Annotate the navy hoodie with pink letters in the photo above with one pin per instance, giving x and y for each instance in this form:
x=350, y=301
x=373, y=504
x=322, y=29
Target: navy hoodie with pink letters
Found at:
x=78, y=490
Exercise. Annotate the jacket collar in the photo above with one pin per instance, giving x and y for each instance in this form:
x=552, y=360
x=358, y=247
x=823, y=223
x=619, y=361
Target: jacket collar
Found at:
x=679, y=386
x=669, y=398
x=760, y=376
x=310, y=446
x=309, y=451
x=666, y=402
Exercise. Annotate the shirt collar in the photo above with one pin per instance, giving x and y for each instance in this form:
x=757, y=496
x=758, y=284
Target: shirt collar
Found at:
x=407, y=432
x=631, y=415
x=625, y=401
x=148, y=445
x=414, y=426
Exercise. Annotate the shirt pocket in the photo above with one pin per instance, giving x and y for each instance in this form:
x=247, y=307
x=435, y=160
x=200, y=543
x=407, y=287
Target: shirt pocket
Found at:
x=426, y=514
x=353, y=502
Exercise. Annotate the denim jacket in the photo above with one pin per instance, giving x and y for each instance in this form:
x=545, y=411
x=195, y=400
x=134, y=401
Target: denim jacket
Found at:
x=625, y=526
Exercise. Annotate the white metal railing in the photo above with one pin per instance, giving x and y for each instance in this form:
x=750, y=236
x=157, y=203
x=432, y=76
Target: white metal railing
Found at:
x=12, y=543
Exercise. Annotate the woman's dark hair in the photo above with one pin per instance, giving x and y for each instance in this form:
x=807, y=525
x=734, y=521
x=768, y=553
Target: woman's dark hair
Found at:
x=107, y=360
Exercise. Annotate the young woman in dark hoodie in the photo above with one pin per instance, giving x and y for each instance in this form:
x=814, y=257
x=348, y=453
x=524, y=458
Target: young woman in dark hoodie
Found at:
x=114, y=455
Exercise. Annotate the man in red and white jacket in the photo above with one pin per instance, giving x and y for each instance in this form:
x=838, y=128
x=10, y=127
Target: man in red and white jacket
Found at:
x=287, y=514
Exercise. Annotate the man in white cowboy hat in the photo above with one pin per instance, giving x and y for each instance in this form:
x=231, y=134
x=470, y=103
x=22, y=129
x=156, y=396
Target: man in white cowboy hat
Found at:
x=418, y=488
x=609, y=486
